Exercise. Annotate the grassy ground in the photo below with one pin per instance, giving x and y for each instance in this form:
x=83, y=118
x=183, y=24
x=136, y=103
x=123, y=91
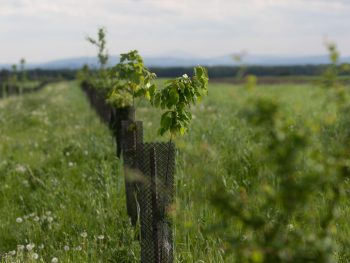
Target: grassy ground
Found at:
x=59, y=186
x=57, y=161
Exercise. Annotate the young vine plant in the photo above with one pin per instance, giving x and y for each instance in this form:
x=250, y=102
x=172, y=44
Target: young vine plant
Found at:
x=131, y=80
x=177, y=98
x=101, y=81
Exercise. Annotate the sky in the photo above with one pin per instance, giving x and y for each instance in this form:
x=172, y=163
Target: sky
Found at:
x=44, y=30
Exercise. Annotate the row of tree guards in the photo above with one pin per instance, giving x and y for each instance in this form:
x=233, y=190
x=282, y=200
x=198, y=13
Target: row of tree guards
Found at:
x=149, y=177
x=7, y=90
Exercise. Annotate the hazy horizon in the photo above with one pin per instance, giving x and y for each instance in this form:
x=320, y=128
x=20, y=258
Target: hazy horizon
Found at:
x=42, y=30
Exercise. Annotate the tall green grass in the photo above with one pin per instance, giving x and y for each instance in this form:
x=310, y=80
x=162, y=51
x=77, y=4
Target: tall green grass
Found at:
x=60, y=186
x=57, y=160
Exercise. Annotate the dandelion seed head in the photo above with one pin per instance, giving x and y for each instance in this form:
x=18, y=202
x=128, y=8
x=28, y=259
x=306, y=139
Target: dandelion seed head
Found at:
x=20, y=247
x=35, y=256
x=66, y=248
x=54, y=260
x=19, y=220
x=101, y=237
x=36, y=219
x=30, y=246
x=84, y=234
x=290, y=227
x=78, y=248
x=20, y=169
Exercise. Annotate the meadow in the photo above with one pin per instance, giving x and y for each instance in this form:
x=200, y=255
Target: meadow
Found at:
x=62, y=188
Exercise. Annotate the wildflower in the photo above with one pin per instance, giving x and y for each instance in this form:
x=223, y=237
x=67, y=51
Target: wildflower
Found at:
x=49, y=219
x=36, y=219
x=19, y=220
x=101, y=237
x=35, y=256
x=185, y=76
x=30, y=246
x=54, y=260
x=78, y=248
x=12, y=253
x=20, y=169
x=70, y=164
x=83, y=235
x=66, y=248
x=20, y=247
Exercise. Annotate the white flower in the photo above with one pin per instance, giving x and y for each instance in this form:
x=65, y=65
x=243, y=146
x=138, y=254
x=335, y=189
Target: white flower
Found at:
x=101, y=237
x=185, y=76
x=70, y=164
x=49, y=219
x=78, y=248
x=19, y=220
x=20, y=247
x=84, y=234
x=48, y=213
x=30, y=246
x=12, y=253
x=54, y=260
x=20, y=169
x=36, y=219
x=66, y=248
x=290, y=227
x=67, y=153
x=35, y=256
x=32, y=214
x=41, y=246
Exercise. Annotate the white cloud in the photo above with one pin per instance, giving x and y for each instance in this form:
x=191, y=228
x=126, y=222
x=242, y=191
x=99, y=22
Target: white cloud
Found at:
x=45, y=29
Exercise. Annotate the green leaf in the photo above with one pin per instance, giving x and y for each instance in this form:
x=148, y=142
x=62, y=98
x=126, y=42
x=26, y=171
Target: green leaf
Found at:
x=174, y=96
x=166, y=120
x=147, y=95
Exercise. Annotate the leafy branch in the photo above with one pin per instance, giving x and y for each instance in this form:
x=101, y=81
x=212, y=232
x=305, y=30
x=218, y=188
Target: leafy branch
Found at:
x=131, y=79
x=100, y=43
x=177, y=97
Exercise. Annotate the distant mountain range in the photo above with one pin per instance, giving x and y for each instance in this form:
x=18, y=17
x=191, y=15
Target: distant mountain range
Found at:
x=182, y=61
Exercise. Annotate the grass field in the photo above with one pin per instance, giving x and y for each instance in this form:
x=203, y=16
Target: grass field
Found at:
x=62, y=191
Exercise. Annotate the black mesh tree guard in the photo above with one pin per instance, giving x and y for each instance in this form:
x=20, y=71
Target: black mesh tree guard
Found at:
x=119, y=115
x=132, y=135
x=156, y=162
x=103, y=109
